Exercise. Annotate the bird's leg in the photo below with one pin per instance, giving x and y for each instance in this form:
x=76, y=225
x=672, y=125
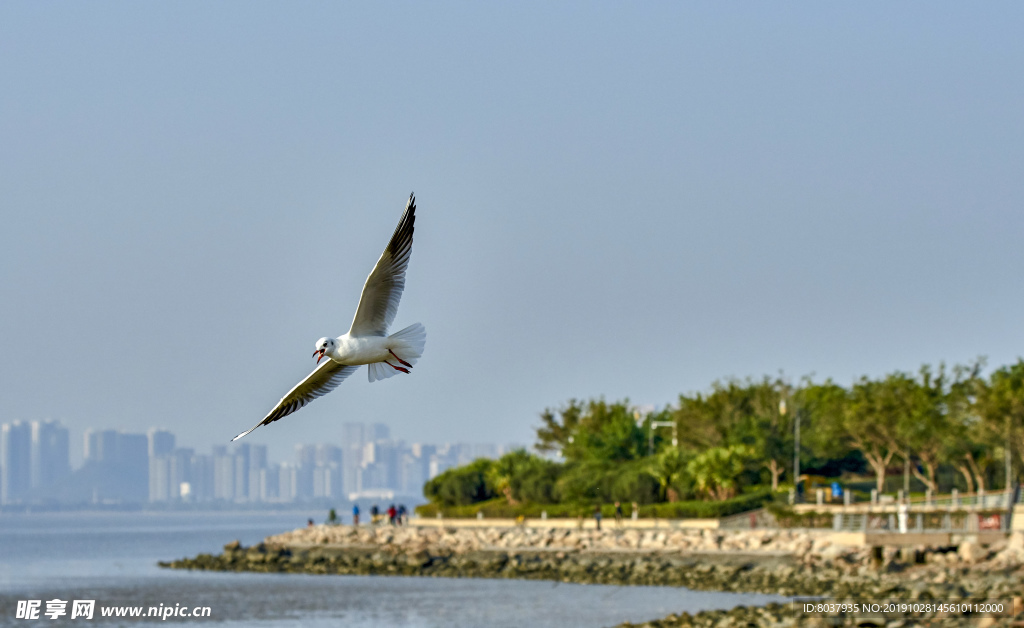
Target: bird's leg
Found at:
x=397, y=368
x=399, y=359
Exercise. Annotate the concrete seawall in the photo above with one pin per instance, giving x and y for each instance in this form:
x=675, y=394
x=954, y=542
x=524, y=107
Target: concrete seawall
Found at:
x=808, y=544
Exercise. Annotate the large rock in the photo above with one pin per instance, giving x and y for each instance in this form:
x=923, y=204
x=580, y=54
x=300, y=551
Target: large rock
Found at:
x=970, y=552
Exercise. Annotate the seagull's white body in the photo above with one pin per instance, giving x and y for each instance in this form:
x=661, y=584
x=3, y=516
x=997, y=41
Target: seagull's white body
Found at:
x=367, y=341
x=378, y=352
x=355, y=351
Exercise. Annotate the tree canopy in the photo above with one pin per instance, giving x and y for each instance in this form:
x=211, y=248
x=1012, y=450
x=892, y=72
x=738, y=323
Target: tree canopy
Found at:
x=739, y=436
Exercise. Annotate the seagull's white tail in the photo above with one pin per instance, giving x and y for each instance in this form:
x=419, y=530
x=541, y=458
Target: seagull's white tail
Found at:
x=406, y=346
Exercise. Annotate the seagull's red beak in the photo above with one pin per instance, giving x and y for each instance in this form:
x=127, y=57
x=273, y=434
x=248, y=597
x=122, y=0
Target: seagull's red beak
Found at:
x=319, y=352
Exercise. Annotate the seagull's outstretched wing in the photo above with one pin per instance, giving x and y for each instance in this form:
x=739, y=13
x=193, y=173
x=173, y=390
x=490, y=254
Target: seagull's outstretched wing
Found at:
x=383, y=288
x=321, y=381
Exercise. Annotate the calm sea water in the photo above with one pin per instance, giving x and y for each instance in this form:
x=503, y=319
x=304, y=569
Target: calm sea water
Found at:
x=111, y=558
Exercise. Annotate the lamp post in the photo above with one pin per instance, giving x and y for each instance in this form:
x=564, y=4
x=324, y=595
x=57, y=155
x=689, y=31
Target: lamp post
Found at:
x=672, y=424
x=652, y=424
x=796, y=447
x=1009, y=463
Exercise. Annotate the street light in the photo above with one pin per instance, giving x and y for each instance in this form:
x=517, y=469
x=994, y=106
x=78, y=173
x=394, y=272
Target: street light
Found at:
x=796, y=447
x=675, y=434
x=1009, y=464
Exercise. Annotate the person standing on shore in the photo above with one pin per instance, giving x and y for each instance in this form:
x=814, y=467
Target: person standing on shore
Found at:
x=618, y=514
x=597, y=515
x=636, y=512
x=355, y=515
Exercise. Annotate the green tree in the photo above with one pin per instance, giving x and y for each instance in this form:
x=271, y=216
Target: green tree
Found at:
x=501, y=474
x=964, y=446
x=926, y=422
x=535, y=481
x=822, y=410
x=957, y=439
x=711, y=420
x=716, y=470
x=740, y=412
x=594, y=430
x=461, y=486
x=770, y=429
x=871, y=421
x=558, y=426
x=1000, y=407
x=669, y=468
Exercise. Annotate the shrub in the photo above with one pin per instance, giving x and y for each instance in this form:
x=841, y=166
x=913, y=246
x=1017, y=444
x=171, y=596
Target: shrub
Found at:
x=500, y=508
x=707, y=510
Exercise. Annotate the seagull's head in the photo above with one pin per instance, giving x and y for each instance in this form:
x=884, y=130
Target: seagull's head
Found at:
x=323, y=346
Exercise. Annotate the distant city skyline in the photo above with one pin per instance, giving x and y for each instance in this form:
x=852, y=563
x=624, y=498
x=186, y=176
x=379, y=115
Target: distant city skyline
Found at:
x=124, y=468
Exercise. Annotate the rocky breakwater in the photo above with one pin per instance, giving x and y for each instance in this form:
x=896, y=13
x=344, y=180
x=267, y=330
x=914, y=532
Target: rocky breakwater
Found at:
x=794, y=563
x=923, y=578
x=775, y=561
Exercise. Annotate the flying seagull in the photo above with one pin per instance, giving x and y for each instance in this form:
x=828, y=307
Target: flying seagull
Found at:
x=367, y=341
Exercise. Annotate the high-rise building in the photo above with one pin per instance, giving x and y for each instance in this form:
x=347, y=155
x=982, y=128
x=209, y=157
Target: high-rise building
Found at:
x=423, y=454
x=223, y=474
x=380, y=465
x=168, y=472
x=202, y=478
x=161, y=442
x=327, y=454
x=160, y=479
x=15, y=463
x=181, y=470
x=257, y=463
x=100, y=445
x=242, y=451
x=354, y=435
x=306, y=458
x=269, y=484
x=288, y=480
x=116, y=466
x=50, y=462
x=411, y=473
x=327, y=481
x=133, y=463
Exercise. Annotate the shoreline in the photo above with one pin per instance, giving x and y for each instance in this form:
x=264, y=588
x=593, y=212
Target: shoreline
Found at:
x=790, y=563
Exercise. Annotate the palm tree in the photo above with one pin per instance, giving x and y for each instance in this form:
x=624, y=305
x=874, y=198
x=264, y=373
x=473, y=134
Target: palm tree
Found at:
x=504, y=470
x=715, y=470
x=667, y=468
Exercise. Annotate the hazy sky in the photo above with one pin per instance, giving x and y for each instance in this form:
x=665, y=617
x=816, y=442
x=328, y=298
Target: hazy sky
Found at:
x=618, y=199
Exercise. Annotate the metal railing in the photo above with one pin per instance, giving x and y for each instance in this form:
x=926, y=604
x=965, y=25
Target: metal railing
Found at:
x=919, y=522
x=971, y=500
x=954, y=513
